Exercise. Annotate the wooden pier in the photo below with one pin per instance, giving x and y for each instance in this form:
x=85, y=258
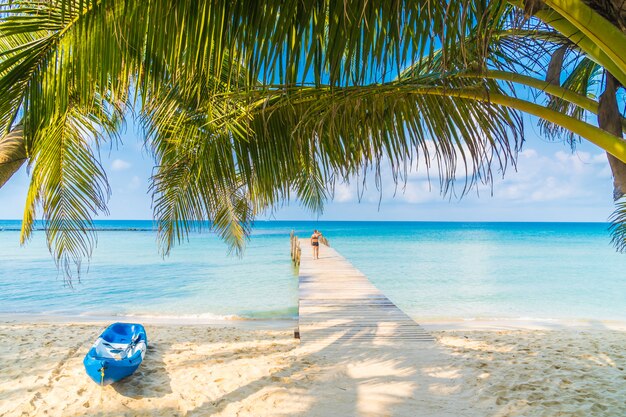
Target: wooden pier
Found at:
x=339, y=306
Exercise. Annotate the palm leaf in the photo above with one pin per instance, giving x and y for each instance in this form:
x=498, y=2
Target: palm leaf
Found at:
x=211, y=168
x=618, y=226
x=70, y=185
x=353, y=129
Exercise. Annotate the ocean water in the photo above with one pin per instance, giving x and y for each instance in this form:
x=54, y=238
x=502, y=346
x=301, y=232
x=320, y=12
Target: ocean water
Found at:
x=433, y=271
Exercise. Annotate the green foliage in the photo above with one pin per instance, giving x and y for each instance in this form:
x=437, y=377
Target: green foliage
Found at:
x=70, y=185
x=618, y=226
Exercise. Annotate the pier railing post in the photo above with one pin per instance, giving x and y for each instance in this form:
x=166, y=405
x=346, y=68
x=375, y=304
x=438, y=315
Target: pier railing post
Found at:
x=299, y=252
x=296, y=251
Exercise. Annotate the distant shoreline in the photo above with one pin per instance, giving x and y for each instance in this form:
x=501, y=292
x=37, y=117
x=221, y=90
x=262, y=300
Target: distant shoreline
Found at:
x=358, y=221
x=430, y=324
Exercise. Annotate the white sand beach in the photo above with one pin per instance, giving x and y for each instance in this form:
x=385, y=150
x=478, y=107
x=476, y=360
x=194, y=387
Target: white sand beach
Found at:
x=199, y=370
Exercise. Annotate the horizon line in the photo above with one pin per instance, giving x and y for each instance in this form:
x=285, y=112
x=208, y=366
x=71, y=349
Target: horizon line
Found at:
x=354, y=221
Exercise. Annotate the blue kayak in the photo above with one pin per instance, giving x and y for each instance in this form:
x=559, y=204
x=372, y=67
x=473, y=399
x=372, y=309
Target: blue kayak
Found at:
x=117, y=353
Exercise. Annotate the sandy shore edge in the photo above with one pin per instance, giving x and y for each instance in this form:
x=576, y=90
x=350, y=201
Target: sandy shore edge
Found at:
x=431, y=324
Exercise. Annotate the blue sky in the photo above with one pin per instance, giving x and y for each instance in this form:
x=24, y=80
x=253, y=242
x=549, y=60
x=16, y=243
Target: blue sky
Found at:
x=550, y=184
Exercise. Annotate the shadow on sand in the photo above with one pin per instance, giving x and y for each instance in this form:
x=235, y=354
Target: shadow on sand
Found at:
x=151, y=380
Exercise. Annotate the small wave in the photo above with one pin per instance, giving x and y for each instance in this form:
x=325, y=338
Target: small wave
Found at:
x=288, y=313
x=534, y=319
x=184, y=317
x=482, y=319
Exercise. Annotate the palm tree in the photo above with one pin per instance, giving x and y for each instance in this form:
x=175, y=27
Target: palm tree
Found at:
x=245, y=104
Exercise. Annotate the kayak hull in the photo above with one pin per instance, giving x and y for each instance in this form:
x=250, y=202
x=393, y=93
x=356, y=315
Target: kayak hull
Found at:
x=117, y=353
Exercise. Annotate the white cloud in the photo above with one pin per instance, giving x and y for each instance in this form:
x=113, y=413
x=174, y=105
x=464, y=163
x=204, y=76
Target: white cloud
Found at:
x=120, y=165
x=528, y=153
x=564, y=176
x=417, y=192
x=134, y=183
x=560, y=177
x=344, y=193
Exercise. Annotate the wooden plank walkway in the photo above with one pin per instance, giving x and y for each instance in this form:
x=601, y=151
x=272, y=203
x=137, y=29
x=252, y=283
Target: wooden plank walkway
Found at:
x=338, y=306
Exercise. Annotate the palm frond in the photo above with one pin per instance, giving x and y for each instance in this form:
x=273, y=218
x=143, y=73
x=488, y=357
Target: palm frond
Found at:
x=44, y=47
x=212, y=170
x=353, y=129
x=187, y=194
x=67, y=107
x=272, y=142
x=618, y=226
x=290, y=42
x=69, y=185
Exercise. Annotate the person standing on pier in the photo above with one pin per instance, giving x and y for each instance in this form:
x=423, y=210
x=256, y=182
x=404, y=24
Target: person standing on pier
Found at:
x=315, y=243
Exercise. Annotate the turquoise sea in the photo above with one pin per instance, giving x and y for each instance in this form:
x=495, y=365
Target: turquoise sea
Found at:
x=434, y=271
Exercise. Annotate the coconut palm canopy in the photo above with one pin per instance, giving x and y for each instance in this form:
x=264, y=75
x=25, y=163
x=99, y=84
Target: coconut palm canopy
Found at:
x=247, y=104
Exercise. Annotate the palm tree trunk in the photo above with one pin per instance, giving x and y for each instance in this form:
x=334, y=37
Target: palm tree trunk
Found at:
x=609, y=119
x=12, y=153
